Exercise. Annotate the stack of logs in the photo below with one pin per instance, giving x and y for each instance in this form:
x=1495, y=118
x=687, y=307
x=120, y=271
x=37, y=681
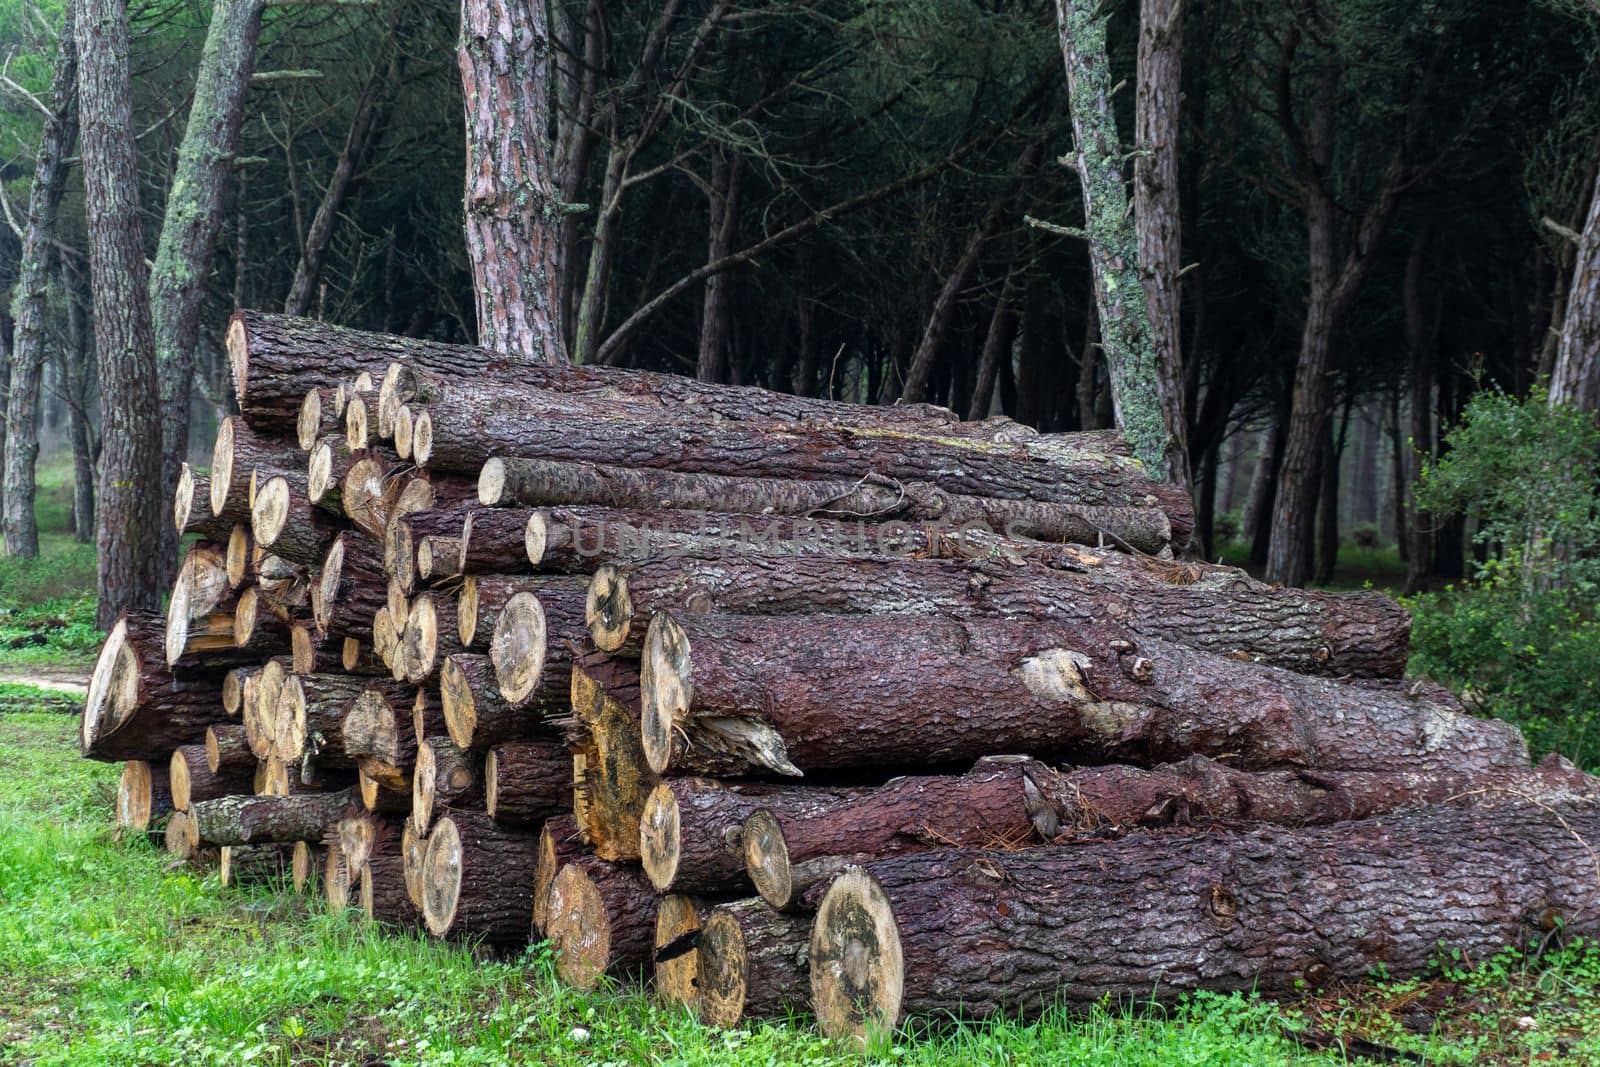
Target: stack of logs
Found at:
x=791, y=703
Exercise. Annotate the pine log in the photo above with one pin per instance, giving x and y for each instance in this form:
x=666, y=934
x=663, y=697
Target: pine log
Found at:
x=383, y=893
x=477, y=716
x=1154, y=916
x=339, y=879
x=676, y=955
x=691, y=832
x=753, y=963
x=384, y=788
x=402, y=427
x=478, y=879
x=378, y=724
x=283, y=519
x=531, y=644
x=493, y=541
x=181, y=837
x=438, y=558
x=311, y=715
x=190, y=777
x=363, y=834
x=238, y=456
x=445, y=777
x=484, y=596
x=253, y=865
x=321, y=413
x=256, y=626
x=191, y=508
x=413, y=854
x=1211, y=608
x=601, y=921
x=908, y=690
x=427, y=714
x=369, y=492
x=326, y=469
x=138, y=707
x=429, y=637
x=506, y=481
x=526, y=782
x=307, y=862
x=200, y=610
x=559, y=844
x=350, y=587
x=144, y=798
x=262, y=696
x=240, y=563
x=405, y=533
x=227, y=750
x=245, y=820
x=233, y=689
x=283, y=587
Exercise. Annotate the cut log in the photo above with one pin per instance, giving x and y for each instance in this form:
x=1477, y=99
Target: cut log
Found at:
x=676, y=957
x=600, y=921
x=339, y=878
x=477, y=879
x=236, y=457
x=284, y=587
x=484, y=596
x=191, y=508
x=320, y=415
x=256, y=627
x=428, y=638
x=402, y=432
x=531, y=645
x=191, y=778
x=240, y=564
x=307, y=862
x=438, y=558
x=356, y=423
x=493, y=541
x=350, y=588
x=384, y=788
x=243, y=820
x=255, y=865
x=200, y=611
x=753, y=964
x=476, y=715
x=227, y=750
x=262, y=695
x=181, y=837
x=559, y=844
x=691, y=833
x=383, y=893
x=378, y=724
x=329, y=465
x=363, y=835
x=1270, y=910
x=427, y=714
x=144, y=798
x=1217, y=609
x=233, y=689
x=445, y=777
x=880, y=690
x=503, y=482
x=312, y=710
x=405, y=533
x=369, y=492
x=284, y=520
x=526, y=782
x=139, y=708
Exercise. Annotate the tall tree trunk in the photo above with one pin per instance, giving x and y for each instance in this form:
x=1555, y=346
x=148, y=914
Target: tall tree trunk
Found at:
x=33, y=278
x=128, y=534
x=1158, y=213
x=513, y=212
x=1264, y=490
x=996, y=348
x=189, y=229
x=591, y=305
x=1576, y=378
x=78, y=369
x=717, y=310
x=1137, y=379
x=1328, y=504
x=1422, y=327
x=5, y=390
x=575, y=150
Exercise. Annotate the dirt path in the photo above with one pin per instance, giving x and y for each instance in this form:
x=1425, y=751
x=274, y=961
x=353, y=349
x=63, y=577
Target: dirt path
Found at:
x=73, y=680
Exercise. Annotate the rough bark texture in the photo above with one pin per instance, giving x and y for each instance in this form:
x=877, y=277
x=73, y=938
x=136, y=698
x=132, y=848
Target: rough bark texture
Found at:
x=478, y=879
x=1576, y=378
x=137, y=706
x=227, y=750
x=512, y=207
x=128, y=536
x=527, y=782
x=601, y=921
x=350, y=588
x=483, y=597
x=19, y=447
x=753, y=963
x=476, y=715
x=980, y=933
x=492, y=542
x=445, y=777
x=378, y=723
x=247, y=820
x=383, y=893
x=1217, y=609
x=921, y=690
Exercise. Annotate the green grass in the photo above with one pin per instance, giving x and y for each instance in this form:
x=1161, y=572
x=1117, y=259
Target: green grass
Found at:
x=111, y=956
x=15, y=697
x=47, y=604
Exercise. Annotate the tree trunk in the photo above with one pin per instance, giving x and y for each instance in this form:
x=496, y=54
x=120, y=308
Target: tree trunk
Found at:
x=128, y=538
x=477, y=880
x=1268, y=910
x=512, y=207
x=601, y=921
x=752, y=964
x=717, y=309
x=1136, y=373
x=527, y=782
x=997, y=343
x=30, y=299
x=78, y=367
x=191, y=222
x=602, y=245
x=1060, y=688
x=1422, y=313
x=1576, y=378
x=1216, y=609
x=248, y=820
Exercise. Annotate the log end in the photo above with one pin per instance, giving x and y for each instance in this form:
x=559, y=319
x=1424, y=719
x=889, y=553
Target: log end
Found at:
x=183, y=498
x=320, y=480
x=400, y=556
x=325, y=591
x=608, y=609
x=665, y=691
x=467, y=611
x=659, y=837
x=303, y=865
x=423, y=775
x=245, y=614
x=355, y=422
x=414, y=854
x=441, y=877
x=420, y=641
x=237, y=563
x=402, y=431
x=114, y=689
x=269, y=515
x=536, y=537
x=723, y=967
x=857, y=969
x=517, y=648
x=237, y=342
x=766, y=859
x=308, y=422
x=461, y=711
x=183, y=835
x=350, y=653
x=579, y=928
x=491, y=481
x=337, y=878
x=677, y=957
x=177, y=780
x=422, y=438
x=135, y=790
x=222, y=472
x=555, y=838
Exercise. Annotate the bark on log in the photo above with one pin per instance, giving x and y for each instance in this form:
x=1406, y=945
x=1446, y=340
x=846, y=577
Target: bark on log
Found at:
x=283, y=519
x=438, y=558
x=191, y=508
x=477, y=716
x=326, y=469
x=181, y=838
x=478, y=879
x=312, y=711
x=484, y=596
x=429, y=637
x=252, y=865
x=383, y=893
x=527, y=782
x=753, y=963
x=240, y=460
x=505, y=481
x=144, y=798
x=445, y=777
x=200, y=611
x=404, y=534
x=227, y=750
x=244, y=820
x=493, y=541
x=320, y=415
x=378, y=723
x=350, y=588
x=559, y=844
x=1273, y=910
x=786, y=698
x=190, y=777
x=530, y=646
x=1216, y=609
x=601, y=921
x=139, y=708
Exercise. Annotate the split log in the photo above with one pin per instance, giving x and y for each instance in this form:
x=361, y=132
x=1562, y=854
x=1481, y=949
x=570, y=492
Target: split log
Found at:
x=881, y=690
x=1272, y=910
x=476, y=715
x=477, y=879
x=541, y=482
x=444, y=777
x=244, y=820
x=676, y=956
x=139, y=708
x=191, y=779
x=526, y=782
x=283, y=519
x=1217, y=609
x=144, y=798
x=350, y=588
x=252, y=865
x=753, y=964
x=484, y=596
x=601, y=921
x=200, y=610
x=559, y=844
x=191, y=508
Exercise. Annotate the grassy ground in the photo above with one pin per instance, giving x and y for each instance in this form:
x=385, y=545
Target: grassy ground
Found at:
x=114, y=957
x=47, y=604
